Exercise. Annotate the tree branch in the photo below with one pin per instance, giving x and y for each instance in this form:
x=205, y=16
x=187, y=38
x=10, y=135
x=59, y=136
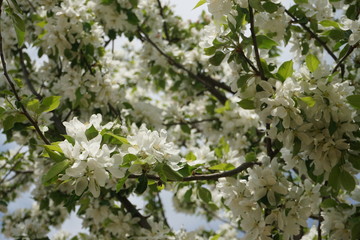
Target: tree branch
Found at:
x=351, y=49
x=133, y=211
x=13, y=89
x=220, y=96
x=165, y=27
x=190, y=122
x=26, y=75
x=162, y=210
x=211, y=176
x=57, y=121
x=313, y=35
x=256, y=49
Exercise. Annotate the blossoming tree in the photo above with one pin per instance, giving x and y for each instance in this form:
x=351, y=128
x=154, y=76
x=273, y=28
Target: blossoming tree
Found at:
x=126, y=98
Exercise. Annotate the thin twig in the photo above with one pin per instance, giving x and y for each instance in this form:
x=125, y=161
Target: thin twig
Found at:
x=189, y=122
x=13, y=89
x=133, y=211
x=256, y=49
x=220, y=96
x=57, y=121
x=319, y=237
x=242, y=54
x=162, y=210
x=211, y=176
x=27, y=76
x=350, y=50
x=165, y=27
x=313, y=35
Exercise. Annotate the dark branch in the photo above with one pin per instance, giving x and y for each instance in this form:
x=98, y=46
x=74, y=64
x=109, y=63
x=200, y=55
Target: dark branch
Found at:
x=256, y=49
x=165, y=26
x=27, y=76
x=211, y=176
x=57, y=121
x=133, y=211
x=313, y=35
x=210, y=87
x=189, y=122
x=13, y=89
x=162, y=210
x=341, y=61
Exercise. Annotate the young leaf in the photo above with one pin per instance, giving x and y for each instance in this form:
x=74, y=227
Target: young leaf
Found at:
x=19, y=25
x=309, y=101
x=49, y=103
x=223, y=167
x=121, y=182
x=285, y=70
x=55, y=170
x=265, y=42
x=312, y=62
x=200, y=3
x=121, y=139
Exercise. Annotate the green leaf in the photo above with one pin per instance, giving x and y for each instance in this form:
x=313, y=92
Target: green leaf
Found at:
x=204, y=194
x=246, y=104
x=328, y=203
x=285, y=70
x=132, y=18
x=121, y=182
x=355, y=229
x=185, y=128
x=250, y=157
x=312, y=62
x=49, y=104
x=334, y=178
x=91, y=132
x=223, y=167
x=256, y=4
x=55, y=170
x=16, y=5
x=210, y=50
x=355, y=161
x=217, y=58
x=190, y=157
x=33, y=105
x=265, y=42
x=55, y=153
x=308, y=100
x=347, y=181
x=270, y=7
x=200, y=3
x=301, y=1
x=19, y=26
x=9, y=121
x=241, y=82
x=330, y=23
x=142, y=184
x=128, y=158
x=354, y=101
x=121, y=139
x=171, y=174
